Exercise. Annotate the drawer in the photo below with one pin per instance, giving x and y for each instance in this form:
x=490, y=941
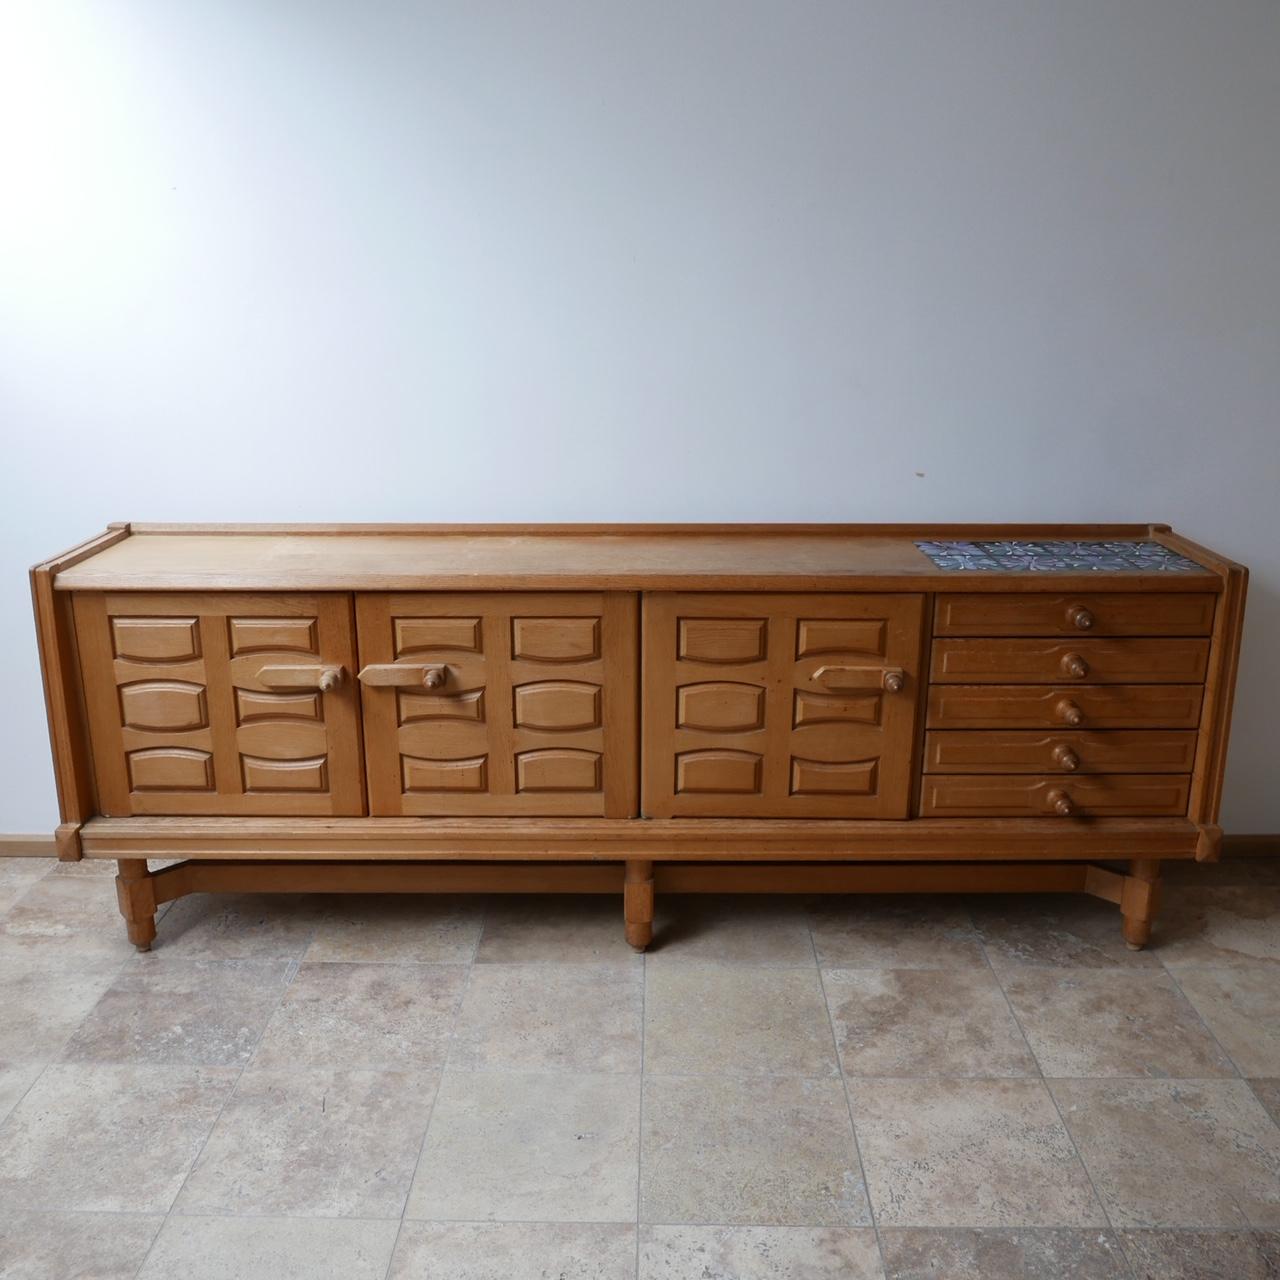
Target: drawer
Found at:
x=1100, y=614
x=1087, y=661
x=1071, y=752
x=1032, y=796
x=1121, y=706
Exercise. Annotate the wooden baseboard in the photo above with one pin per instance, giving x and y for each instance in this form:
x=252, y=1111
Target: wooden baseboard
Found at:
x=18, y=846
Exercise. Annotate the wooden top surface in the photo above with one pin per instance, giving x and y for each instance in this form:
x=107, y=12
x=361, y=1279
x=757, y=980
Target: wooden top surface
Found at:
x=583, y=557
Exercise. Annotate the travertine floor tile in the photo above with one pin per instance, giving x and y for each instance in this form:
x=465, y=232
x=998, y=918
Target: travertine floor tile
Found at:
x=1241, y=1008
x=532, y=929
x=189, y=1012
x=1203, y=1255
x=515, y=1251
x=1219, y=927
x=921, y=1022
x=239, y=926
x=533, y=1017
x=969, y=1153
x=15, y=1079
x=530, y=1147
x=1268, y=1093
x=759, y=1253
x=736, y=1020
x=1112, y=1022
x=44, y=996
x=1176, y=1153
x=270, y=1249
x=894, y=932
x=17, y=875
x=768, y=1151
x=117, y=1139
x=1056, y=931
x=732, y=930
x=403, y=928
x=1044, y=1254
x=65, y=916
x=364, y=1016
x=313, y=1143
x=74, y=1246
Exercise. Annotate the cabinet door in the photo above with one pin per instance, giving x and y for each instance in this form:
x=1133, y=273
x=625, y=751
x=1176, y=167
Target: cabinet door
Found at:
x=499, y=703
x=780, y=705
x=221, y=704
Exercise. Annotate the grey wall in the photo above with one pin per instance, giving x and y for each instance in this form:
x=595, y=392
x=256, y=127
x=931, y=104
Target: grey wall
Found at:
x=714, y=259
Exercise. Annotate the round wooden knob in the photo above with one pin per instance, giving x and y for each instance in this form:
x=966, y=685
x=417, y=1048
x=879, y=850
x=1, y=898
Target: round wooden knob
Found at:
x=1061, y=803
x=1069, y=712
x=1075, y=666
x=894, y=681
x=1080, y=618
x=1065, y=758
x=330, y=679
x=435, y=677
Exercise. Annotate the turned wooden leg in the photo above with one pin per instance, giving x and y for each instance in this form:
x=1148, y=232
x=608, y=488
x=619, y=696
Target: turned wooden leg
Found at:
x=137, y=897
x=1138, y=901
x=637, y=903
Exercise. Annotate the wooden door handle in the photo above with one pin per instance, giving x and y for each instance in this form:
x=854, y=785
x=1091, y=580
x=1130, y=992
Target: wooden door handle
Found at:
x=404, y=675
x=324, y=676
x=842, y=679
x=1070, y=712
x=1080, y=617
x=1074, y=666
x=1065, y=758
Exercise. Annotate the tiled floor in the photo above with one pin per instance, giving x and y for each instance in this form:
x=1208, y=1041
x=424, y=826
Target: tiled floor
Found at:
x=467, y=1089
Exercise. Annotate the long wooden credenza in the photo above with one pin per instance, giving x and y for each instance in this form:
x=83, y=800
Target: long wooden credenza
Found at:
x=614, y=709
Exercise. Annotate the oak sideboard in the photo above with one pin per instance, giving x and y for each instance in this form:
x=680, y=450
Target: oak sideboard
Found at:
x=630, y=708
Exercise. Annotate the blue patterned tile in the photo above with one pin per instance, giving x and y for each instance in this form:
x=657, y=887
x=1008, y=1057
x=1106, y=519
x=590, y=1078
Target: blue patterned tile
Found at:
x=1054, y=555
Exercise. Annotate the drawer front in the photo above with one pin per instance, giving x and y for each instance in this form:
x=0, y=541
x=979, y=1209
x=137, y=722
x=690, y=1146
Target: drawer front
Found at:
x=499, y=703
x=1100, y=614
x=1071, y=752
x=1029, y=796
x=1153, y=706
x=780, y=705
x=221, y=704
x=1001, y=661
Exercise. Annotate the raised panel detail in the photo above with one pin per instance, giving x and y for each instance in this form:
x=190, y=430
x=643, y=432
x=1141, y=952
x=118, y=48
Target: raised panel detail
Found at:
x=272, y=635
x=421, y=635
x=555, y=639
x=839, y=635
x=831, y=777
x=558, y=706
x=849, y=708
x=155, y=639
x=470, y=775
x=170, y=769
x=720, y=706
x=253, y=705
x=718, y=771
x=558, y=769
x=468, y=706
x=259, y=774
x=721, y=639
x=172, y=706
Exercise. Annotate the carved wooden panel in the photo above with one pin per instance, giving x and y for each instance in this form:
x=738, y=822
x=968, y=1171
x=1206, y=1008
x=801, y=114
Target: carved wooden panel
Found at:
x=536, y=713
x=776, y=706
x=183, y=715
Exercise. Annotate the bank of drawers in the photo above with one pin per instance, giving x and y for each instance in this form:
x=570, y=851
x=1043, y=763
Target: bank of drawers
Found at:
x=1062, y=706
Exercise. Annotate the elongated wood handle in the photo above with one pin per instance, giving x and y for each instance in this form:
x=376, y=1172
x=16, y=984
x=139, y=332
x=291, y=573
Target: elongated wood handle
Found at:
x=404, y=675
x=842, y=679
x=324, y=676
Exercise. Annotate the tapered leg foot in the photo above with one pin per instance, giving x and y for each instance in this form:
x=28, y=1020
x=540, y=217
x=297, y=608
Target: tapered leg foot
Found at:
x=1139, y=900
x=637, y=903
x=137, y=896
